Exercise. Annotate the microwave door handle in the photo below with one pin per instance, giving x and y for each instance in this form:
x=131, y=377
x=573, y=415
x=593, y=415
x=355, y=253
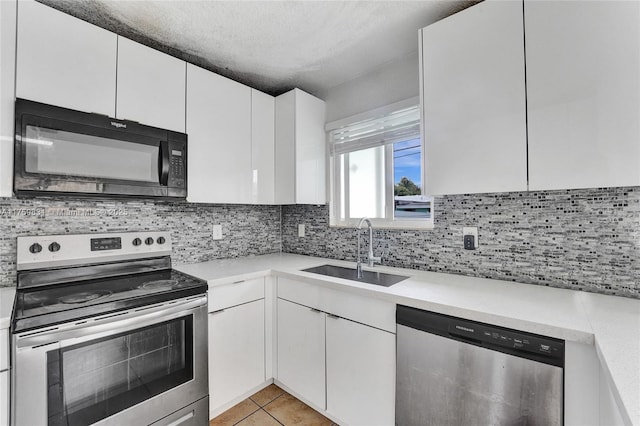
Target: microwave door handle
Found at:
x=163, y=163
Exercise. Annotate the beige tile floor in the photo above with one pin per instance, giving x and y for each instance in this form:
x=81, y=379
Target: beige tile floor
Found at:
x=271, y=407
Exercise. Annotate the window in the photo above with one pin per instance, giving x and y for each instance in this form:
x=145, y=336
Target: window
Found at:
x=376, y=170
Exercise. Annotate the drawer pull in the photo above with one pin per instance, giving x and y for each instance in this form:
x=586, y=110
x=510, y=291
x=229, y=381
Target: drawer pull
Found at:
x=315, y=310
x=333, y=316
x=238, y=282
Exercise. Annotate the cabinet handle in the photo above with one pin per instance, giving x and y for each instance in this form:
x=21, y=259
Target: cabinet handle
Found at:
x=315, y=310
x=238, y=282
x=333, y=316
x=217, y=312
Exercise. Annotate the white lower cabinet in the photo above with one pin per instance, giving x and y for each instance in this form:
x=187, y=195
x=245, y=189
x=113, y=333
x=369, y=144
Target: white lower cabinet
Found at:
x=236, y=352
x=301, y=351
x=361, y=376
x=346, y=367
x=4, y=398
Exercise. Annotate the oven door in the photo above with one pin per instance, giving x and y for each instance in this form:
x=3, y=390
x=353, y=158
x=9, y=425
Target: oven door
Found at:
x=136, y=367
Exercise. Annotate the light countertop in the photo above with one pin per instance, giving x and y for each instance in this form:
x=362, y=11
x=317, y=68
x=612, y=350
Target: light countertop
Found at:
x=610, y=323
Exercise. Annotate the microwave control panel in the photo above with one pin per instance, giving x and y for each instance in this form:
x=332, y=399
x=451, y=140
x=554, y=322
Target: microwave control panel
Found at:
x=177, y=161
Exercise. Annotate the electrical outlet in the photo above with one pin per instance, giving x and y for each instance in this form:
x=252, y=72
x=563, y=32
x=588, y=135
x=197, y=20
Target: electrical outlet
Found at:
x=216, y=232
x=470, y=237
x=300, y=230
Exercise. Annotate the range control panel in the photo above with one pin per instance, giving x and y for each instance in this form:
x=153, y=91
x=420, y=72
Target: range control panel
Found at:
x=66, y=250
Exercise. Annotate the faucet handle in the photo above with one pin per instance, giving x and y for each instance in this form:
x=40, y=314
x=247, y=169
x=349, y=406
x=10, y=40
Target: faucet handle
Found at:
x=374, y=259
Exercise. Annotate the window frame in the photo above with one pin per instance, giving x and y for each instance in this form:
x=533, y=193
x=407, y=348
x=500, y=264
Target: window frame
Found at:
x=337, y=198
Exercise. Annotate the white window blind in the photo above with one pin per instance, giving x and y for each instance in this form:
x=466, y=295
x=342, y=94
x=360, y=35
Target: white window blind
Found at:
x=391, y=128
x=371, y=157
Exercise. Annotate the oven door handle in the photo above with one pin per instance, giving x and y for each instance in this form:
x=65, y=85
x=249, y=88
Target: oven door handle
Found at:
x=104, y=326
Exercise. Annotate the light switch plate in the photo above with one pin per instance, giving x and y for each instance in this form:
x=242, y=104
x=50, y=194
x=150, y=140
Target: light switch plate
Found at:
x=471, y=230
x=300, y=230
x=216, y=232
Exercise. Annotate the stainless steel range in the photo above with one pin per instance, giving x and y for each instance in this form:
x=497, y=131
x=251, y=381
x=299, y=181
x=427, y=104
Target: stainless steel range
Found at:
x=105, y=332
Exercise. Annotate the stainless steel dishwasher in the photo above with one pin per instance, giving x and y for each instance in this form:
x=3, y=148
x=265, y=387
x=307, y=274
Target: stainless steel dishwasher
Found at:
x=452, y=371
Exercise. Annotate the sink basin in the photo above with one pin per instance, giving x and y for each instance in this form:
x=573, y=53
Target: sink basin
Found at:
x=369, y=277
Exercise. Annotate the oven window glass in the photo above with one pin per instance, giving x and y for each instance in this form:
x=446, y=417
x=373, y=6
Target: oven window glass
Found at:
x=94, y=380
x=57, y=152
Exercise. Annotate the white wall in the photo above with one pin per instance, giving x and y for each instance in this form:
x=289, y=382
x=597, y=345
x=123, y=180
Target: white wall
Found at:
x=391, y=83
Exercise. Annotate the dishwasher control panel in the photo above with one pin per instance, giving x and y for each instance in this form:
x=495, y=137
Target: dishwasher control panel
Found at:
x=528, y=345
x=506, y=338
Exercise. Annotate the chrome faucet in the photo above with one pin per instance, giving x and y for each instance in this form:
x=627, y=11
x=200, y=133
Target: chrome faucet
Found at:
x=371, y=259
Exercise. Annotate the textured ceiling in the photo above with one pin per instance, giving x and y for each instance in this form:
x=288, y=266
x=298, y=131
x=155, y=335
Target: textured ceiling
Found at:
x=272, y=45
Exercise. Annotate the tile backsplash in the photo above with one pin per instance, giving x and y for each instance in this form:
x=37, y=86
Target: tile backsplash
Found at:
x=579, y=239
x=247, y=230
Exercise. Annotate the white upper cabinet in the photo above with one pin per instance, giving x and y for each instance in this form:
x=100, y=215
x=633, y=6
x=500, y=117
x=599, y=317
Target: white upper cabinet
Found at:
x=583, y=93
x=151, y=86
x=7, y=93
x=300, y=149
x=262, y=148
x=219, y=129
x=64, y=61
x=473, y=94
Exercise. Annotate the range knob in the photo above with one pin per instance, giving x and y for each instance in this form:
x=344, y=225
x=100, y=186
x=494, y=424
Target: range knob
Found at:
x=137, y=242
x=161, y=240
x=54, y=247
x=35, y=248
x=148, y=241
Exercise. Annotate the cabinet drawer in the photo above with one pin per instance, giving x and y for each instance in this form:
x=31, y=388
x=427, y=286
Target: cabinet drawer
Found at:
x=4, y=349
x=235, y=293
x=366, y=310
x=305, y=294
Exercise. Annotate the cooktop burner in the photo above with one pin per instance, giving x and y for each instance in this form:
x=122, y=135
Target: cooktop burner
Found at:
x=160, y=284
x=84, y=296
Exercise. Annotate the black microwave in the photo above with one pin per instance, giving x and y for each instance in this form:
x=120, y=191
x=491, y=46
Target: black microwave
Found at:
x=63, y=151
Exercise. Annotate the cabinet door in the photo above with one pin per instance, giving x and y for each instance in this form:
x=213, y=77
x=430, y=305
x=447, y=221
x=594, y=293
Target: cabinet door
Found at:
x=583, y=93
x=310, y=150
x=285, y=175
x=236, y=352
x=64, y=61
x=219, y=129
x=301, y=355
x=300, y=149
x=473, y=98
x=151, y=86
x=7, y=93
x=262, y=148
x=361, y=372
x=4, y=398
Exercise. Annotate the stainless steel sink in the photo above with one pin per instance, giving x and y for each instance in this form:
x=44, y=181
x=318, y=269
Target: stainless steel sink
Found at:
x=369, y=277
